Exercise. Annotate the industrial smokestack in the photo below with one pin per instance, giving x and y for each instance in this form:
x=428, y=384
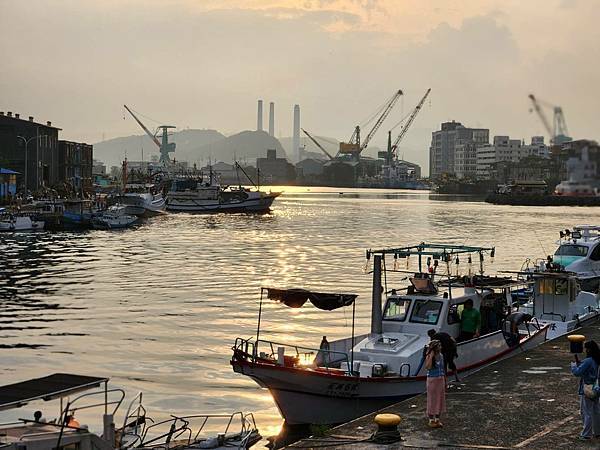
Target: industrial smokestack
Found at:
x=296, y=136
x=259, y=117
x=271, y=119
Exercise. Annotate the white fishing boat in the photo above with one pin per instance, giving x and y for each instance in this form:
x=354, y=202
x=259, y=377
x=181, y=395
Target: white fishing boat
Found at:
x=360, y=374
x=200, y=195
x=19, y=222
x=114, y=217
x=142, y=200
x=555, y=298
x=89, y=416
x=579, y=252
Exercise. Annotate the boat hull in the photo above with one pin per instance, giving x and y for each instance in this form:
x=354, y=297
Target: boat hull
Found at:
x=327, y=397
x=260, y=203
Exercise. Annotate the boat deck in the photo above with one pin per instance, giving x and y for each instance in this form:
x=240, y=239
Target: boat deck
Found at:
x=527, y=401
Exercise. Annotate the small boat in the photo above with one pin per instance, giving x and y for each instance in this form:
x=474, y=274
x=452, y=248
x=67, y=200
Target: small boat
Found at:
x=357, y=375
x=208, y=196
x=83, y=396
x=554, y=297
x=141, y=201
x=579, y=252
x=113, y=218
x=19, y=222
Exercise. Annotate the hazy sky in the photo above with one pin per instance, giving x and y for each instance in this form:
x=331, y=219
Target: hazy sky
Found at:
x=204, y=63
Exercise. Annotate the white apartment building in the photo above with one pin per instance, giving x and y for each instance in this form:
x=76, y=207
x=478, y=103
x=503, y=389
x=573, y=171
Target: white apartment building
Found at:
x=506, y=149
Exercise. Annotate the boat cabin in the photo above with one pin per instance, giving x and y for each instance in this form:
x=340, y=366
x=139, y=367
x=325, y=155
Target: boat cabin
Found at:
x=558, y=297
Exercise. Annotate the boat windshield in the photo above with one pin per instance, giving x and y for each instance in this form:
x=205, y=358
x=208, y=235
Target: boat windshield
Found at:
x=396, y=309
x=426, y=311
x=571, y=250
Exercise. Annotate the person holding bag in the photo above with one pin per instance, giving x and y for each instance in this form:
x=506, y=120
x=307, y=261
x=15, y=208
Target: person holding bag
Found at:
x=436, y=383
x=589, y=390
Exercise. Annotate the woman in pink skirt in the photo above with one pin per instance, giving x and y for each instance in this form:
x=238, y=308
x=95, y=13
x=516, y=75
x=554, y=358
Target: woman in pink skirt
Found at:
x=436, y=383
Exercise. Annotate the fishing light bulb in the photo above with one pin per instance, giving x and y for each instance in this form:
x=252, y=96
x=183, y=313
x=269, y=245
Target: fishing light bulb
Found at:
x=407, y=262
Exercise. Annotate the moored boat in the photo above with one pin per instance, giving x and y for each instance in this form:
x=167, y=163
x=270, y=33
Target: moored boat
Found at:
x=19, y=222
x=354, y=376
x=114, y=217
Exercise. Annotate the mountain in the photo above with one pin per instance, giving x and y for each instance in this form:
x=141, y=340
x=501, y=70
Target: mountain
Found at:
x=245, y=147
x=113, y=151
x=194, y=146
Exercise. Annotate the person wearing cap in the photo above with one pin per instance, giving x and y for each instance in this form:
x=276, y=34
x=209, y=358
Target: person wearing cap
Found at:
x=436, y=383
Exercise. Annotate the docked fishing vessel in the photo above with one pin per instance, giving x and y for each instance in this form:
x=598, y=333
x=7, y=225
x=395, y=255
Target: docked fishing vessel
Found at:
x=114, y=217
x=19, y=222
x=579, y=252
x=142, y=201
x=201, y=195
x=348, y=378
x=82, y=398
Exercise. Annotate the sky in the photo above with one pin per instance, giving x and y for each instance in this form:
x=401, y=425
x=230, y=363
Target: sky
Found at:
x=204, y=64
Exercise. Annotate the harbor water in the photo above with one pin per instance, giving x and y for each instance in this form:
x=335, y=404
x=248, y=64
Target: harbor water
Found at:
x=158, y=307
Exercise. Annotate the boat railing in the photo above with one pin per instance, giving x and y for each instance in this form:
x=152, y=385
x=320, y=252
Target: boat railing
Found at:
x=329, y=360
x=193, y=426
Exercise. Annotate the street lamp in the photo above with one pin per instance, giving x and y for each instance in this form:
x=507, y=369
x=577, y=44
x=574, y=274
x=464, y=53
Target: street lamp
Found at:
x=27, y=141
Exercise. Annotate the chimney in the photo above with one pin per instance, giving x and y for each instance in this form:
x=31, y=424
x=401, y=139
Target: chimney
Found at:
x=17, y=115
x=296, y=136
x=259, y=117
x=9, y=114
x=49, y=123
x=271, y=119
x=31, y=118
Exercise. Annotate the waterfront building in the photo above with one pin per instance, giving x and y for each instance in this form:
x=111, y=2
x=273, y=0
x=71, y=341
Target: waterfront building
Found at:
x=31, y=149
x=98, y=167
x=75, y=164
x=310, y=167
x=275, y=170
x=42, y=160
x=505, y=149
x=444, y=143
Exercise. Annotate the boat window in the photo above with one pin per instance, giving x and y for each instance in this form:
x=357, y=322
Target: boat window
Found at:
x=426, y=311
x=571, y=250
x=595, y=255
x=454, y=313
x=396, y=309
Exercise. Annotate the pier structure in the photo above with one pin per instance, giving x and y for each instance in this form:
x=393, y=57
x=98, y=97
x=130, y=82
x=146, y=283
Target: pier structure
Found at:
x=527, y=401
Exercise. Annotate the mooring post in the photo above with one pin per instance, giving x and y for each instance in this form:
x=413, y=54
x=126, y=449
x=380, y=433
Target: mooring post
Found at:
x=376, y=303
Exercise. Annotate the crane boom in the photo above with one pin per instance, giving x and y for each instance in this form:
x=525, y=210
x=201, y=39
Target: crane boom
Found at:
x=410, y=120
x=540, y=112
x=317, y=144
x=148, y=132
x=382, y=117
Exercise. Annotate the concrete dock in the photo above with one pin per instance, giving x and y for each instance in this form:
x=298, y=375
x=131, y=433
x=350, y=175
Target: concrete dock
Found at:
x=527, y=401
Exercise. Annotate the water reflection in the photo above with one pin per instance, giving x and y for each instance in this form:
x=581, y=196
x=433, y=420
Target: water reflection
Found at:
x=158, y=308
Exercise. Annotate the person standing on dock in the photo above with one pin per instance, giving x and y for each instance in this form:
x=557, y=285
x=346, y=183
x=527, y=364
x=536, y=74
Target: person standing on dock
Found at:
x=448, y=350
x=436, y=384
x=589, y=370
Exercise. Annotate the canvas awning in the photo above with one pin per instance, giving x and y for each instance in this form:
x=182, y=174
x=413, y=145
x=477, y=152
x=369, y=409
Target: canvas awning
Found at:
x=295, y=298
x=46, y=388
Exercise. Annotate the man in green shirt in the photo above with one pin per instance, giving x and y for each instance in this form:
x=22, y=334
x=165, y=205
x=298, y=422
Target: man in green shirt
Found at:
x=470, y=322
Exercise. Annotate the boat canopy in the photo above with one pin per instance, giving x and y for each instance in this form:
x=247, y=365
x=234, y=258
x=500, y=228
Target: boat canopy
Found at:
x=295, y=298
x=438, y=251
x=50, y=387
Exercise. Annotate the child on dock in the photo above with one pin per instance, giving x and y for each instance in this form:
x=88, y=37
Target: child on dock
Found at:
x=436, y=384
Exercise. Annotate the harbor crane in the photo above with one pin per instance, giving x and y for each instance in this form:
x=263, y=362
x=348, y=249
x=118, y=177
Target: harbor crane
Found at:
x=331, y=158
x=558, y=130
x=164, y=146
x=392, y=150
x=354, y=146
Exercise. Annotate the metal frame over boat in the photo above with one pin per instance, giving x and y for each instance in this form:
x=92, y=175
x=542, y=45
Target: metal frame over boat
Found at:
x=360, y=374
x=138, y=430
